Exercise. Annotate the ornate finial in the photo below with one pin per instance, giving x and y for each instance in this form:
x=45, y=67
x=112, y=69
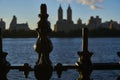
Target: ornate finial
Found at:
x=43, y=9
x=43, y=25
x=43, y=14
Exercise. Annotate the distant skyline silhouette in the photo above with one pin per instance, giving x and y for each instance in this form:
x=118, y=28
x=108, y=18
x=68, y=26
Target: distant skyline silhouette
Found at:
x=28, y=10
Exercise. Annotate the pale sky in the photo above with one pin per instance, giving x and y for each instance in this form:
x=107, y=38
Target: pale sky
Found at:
x=28, y=10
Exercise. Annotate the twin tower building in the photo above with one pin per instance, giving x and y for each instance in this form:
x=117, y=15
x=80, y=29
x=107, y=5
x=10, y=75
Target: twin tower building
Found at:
x=66, y=25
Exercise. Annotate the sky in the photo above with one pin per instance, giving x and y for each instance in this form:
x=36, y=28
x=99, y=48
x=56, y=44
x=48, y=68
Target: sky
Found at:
x=28, y=10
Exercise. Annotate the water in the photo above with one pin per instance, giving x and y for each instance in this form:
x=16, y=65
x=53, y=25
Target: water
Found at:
x=20, y=51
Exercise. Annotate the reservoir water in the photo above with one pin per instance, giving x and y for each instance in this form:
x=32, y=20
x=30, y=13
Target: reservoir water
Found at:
x=20, y=51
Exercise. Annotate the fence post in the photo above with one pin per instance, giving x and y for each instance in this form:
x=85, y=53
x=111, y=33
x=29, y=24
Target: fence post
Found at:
x=84, y=61
x=4, y=64
x=43, y=68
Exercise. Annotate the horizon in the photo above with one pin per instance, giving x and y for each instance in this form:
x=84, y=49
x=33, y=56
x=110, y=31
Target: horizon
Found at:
x=83, y=9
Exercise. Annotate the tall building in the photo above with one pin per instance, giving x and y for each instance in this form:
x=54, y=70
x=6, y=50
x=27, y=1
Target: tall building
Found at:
x=16, y=27
x=66, y=25
x=2, y=25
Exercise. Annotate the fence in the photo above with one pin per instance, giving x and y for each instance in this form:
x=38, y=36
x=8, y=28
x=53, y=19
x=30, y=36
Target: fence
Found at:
x=43, y=68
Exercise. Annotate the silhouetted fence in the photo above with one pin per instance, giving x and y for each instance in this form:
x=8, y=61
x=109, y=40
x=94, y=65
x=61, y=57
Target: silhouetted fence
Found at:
x=44, y=68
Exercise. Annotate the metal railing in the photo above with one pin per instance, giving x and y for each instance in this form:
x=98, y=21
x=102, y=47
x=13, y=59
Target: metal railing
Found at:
x=43, y=68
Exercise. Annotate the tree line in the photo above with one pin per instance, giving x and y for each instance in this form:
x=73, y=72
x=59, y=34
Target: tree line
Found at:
x=74, y=33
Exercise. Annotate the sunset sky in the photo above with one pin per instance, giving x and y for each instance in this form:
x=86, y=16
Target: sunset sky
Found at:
x=28, y=10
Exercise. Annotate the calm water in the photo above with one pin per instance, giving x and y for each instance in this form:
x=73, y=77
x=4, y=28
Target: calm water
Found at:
x=65, y=50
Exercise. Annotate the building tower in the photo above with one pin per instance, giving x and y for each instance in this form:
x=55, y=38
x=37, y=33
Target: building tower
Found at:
x=60, y=13
x=13, y=23
x=69, y=13
x=79, y=21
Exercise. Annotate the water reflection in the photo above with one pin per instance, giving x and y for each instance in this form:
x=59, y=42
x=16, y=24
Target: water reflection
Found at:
x=20, y=51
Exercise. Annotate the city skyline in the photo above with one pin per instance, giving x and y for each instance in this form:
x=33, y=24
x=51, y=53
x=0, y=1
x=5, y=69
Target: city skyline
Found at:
x=27, y=11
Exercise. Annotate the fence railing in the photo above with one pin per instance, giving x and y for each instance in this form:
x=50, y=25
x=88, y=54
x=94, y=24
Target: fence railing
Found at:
x=44, y=68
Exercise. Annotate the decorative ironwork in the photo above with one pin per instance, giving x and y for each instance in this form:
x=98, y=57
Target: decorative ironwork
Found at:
x=43, y=68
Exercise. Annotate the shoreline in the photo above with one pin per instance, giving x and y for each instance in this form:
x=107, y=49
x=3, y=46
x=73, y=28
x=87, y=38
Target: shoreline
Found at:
x=70, y=37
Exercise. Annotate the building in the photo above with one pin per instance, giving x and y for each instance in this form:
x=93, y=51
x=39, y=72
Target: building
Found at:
x=110, y=25
x=94, y=22
x=14, y=26
x=2, y=25
x=113, y=25
x=66, y=25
